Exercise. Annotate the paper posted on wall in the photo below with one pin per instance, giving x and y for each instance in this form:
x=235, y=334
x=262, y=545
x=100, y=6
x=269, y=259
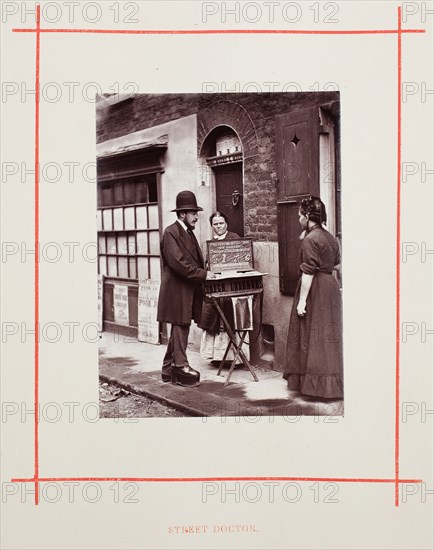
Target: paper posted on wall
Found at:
x=147, y=311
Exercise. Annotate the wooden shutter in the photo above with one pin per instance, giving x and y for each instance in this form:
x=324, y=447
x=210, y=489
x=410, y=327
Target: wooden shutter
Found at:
x=297, y=153
x=297, y=163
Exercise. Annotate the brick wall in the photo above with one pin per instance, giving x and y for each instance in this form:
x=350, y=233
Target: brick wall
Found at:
x=252, y=115
x=143, y=111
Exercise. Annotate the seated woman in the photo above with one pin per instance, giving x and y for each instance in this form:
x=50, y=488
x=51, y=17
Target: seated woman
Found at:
x=215, y=339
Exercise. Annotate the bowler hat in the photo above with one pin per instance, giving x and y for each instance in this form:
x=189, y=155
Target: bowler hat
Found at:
x=186, y=200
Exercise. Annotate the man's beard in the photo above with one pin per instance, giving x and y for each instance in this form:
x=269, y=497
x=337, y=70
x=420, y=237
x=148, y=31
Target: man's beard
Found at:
x=189, y=225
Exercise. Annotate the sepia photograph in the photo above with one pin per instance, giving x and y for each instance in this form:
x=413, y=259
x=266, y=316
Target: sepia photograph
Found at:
x=219, y=254
x=217, y=279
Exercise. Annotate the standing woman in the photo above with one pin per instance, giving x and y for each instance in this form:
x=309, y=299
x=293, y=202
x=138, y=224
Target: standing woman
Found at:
x=314, y=364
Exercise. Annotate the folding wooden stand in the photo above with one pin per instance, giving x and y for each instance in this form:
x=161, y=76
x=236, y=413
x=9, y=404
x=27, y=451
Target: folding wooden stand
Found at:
x=231, y=260
x=213, y=297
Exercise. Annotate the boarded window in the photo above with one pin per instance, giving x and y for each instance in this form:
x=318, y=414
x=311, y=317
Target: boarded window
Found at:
x=128, y=227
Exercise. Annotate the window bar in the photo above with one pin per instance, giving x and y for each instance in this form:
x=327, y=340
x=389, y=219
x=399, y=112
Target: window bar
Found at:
x=127, y=252
x=117, y=254
x=125, y=233
x=148, y=239
x=135, y=255
x=135, y=241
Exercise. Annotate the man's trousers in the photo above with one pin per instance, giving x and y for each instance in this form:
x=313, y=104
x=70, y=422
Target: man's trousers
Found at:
x=176, y=353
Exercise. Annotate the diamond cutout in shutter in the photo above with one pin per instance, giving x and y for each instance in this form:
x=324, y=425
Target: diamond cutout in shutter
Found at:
x=295, y=140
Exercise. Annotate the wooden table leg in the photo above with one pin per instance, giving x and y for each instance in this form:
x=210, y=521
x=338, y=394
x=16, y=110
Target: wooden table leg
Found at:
x=222, y=362
x=247, y=362
x=233, y=340
x=237, y=348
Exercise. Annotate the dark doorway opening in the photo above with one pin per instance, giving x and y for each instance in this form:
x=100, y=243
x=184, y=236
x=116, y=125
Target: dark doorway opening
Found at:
x=229, y=195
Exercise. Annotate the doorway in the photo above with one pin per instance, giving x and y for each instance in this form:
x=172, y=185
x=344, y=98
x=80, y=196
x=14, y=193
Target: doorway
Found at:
x=229, y=194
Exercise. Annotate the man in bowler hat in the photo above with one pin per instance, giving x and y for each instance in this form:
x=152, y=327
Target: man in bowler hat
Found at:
x=180, y=298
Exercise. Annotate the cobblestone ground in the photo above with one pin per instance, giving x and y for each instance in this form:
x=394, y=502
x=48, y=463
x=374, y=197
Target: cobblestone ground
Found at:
x=116, y=402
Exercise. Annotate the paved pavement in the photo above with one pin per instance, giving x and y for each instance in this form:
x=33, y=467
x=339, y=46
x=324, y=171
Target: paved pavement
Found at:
x=136, y=366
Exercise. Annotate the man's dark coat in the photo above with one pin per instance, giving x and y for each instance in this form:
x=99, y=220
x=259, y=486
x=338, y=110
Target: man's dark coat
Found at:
x=181, y=297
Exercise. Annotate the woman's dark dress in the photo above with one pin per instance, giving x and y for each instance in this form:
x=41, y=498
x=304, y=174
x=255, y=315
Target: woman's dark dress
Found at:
x=314, y=364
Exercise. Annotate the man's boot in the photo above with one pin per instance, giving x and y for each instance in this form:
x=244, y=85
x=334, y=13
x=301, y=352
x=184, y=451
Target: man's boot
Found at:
x=185, y=376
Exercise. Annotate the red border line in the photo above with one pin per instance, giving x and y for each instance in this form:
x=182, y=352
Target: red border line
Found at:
x=223, y=31
x=399, y=31
x=398, y=266
x=37, y=100
x=202, y=479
